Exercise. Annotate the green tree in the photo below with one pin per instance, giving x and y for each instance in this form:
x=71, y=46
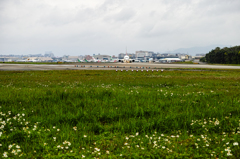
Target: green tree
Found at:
x=226, y=55
x=203, y=59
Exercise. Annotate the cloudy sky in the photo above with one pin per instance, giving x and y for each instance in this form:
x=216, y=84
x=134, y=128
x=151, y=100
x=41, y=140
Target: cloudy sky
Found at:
x=71, y=27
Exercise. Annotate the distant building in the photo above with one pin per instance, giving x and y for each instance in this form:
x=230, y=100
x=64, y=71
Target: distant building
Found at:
x=154, y=56
x=48, y=54
x=88, y=57
x=180, y=54
x=144, y=55
x=131, y=55
x=121, y=55
x=8, y=59
x=35, y=55
x=73, y=58
x=57, y=59
x=166, y=55
x=182, y=57
x=197, y=58
x=114, y=57
x=203, y=55
x=81, y=57
x=102, y=57
x=188, y=58
x=44, y=59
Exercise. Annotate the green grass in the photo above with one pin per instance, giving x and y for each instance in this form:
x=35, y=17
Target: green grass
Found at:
x=109, y=114
x=187, y=62
x=226, y=64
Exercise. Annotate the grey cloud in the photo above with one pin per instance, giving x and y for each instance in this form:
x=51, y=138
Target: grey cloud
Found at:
x=218, y=8
x=55, y=18
x=99, y=25
x=125, y=14
x=86, y=14
x=122, y=16
x=109, y=5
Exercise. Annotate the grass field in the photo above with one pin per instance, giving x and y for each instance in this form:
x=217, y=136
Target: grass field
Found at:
x=109, y=114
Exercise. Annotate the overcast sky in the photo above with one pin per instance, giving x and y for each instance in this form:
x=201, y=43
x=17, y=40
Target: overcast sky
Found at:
x=71, y=27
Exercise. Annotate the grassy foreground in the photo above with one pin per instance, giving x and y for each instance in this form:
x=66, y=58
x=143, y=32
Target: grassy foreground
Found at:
x=109, y=114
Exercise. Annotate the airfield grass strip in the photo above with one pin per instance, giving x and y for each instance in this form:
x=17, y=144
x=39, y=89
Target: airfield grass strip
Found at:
x=109, y=114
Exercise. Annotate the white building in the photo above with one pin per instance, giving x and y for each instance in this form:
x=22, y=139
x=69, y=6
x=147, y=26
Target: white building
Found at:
x=143, y=55
x=70, y=58
x=8, y=59
x=102, y=57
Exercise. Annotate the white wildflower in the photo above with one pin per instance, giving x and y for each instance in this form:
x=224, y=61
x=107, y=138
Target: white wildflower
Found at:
x=235, y=144
x=5, y=154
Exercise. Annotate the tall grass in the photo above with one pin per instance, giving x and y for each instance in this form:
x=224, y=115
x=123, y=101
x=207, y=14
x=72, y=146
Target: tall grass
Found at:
x=124, y=114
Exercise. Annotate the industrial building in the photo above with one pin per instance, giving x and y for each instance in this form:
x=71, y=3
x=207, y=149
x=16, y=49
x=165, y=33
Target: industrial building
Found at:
x=102, y=57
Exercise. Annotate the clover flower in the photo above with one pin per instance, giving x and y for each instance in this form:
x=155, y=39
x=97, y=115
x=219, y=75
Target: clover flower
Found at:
x=235, y=144
x=5, y=154
x=229, y=153
x=97, y=149
x=75, y=128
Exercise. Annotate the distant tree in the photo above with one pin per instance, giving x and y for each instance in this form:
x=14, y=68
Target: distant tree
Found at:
x=203, y=59
x=217, y=48
x=226, y=55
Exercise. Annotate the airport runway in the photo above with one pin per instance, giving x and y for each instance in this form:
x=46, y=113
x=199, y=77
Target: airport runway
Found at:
x=107, y=66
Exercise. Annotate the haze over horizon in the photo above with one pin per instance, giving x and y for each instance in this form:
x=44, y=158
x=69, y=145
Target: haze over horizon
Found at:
x=108, y=26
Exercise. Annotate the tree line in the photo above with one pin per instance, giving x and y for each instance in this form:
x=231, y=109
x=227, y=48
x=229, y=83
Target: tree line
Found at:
x=225, y=55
